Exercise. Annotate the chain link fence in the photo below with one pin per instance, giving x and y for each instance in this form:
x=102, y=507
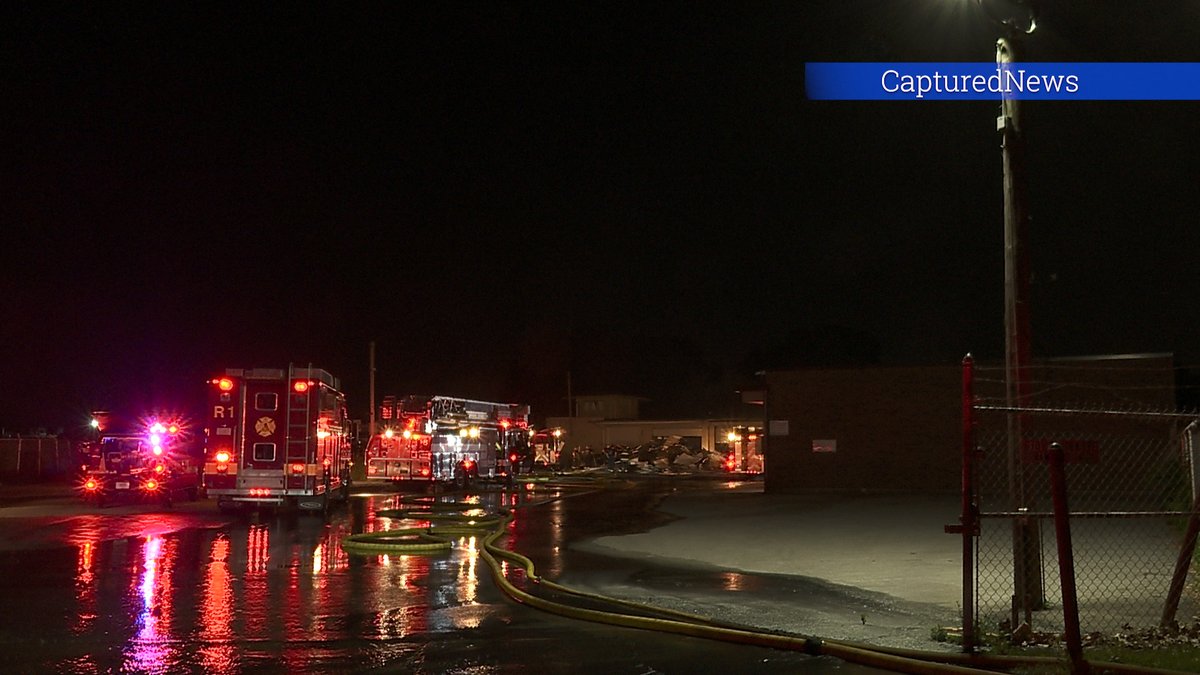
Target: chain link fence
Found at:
x=35, y=458
x=1131, y=471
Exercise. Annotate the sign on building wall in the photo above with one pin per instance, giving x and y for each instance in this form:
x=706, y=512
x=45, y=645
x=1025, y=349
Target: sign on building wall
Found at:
x=824, y=445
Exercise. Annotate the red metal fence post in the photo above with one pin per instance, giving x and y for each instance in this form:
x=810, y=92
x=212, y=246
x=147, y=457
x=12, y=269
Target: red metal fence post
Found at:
x=1066, y=558
x=967, y=518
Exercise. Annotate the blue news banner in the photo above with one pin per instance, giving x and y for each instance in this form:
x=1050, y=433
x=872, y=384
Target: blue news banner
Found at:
x=990, y=81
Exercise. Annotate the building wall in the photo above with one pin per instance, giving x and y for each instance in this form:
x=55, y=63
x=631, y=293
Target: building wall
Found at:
x=608, y=406
x=578, y=432
x=901, y=428
x=892, y=429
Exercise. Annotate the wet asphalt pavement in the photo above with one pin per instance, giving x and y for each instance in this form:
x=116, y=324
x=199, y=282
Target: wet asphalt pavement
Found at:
x=139, y=588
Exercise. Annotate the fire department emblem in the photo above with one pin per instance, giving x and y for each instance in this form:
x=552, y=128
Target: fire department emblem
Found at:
x=265, y=426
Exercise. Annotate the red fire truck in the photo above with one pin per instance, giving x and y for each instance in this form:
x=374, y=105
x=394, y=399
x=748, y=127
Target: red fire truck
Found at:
x=152, y=463
x=277, y=437
x=444, y=438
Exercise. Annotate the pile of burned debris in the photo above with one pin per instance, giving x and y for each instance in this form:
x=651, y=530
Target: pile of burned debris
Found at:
x=666, y=455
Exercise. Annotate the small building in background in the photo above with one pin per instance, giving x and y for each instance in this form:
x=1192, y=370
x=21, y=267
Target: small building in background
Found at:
x=613, y=420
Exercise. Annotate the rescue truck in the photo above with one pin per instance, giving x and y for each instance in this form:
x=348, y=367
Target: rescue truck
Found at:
x=447, y=439
x=152, y=464
x=277, y=437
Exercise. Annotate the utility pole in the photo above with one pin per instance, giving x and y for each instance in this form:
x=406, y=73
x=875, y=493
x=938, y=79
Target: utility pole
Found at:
x=371, y=423
x=1027, y=586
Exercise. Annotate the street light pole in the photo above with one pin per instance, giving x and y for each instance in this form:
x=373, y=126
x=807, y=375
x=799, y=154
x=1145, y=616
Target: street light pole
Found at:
x=1026, y=542
x=1016, y=17
x=1027, y=580
x=1016, y=256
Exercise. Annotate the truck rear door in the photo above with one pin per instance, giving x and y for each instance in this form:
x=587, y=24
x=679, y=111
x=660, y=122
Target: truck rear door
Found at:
x=265, y=428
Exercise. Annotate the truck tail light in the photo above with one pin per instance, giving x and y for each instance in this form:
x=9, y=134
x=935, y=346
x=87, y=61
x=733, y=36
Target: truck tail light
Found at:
x=225, y=384
x=222, y=468
x=513, y=458
x=425, y=472
x=91, y=484
x=222, y=457
x=297, y=468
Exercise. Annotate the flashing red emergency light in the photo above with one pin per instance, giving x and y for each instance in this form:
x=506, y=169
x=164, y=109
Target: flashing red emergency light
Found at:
x=513, y=458
x=300, y=386
x=297, y=468
x=157, y=450
x=91, y=484
x=151, y=485
x=225, y=384
x=172, y=428
x=505, y=424
x=222, y=456
x=159, y=468
x=326, y=462
x=468, y=463
x=425, y=472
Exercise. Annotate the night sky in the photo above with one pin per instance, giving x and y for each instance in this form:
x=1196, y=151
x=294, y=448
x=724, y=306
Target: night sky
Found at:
x=637, y=194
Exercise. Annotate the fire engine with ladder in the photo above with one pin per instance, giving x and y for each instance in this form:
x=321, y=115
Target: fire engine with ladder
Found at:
x=447, y=439
x=276, y=437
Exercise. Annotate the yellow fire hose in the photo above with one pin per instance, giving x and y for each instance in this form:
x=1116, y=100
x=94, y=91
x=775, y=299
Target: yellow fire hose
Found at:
x=424, y=541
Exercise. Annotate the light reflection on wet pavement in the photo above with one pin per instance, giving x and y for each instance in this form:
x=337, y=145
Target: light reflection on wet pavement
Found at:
x=190, y=590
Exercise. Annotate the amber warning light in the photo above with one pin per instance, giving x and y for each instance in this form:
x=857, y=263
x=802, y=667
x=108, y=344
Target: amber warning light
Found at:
x=224, y=384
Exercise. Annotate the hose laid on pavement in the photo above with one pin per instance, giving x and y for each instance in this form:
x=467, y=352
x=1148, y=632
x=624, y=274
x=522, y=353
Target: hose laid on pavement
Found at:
x=438, y=538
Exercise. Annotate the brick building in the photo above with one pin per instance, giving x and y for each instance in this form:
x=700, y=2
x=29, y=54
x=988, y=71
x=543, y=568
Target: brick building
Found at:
x=900, y=428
